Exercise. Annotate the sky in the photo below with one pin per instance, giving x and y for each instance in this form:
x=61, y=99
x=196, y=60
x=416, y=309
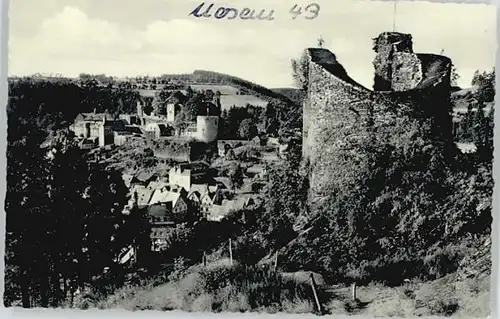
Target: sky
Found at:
x=154, y=37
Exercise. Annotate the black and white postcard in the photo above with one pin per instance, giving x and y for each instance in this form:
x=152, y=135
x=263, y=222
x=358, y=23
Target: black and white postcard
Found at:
x=320, y=157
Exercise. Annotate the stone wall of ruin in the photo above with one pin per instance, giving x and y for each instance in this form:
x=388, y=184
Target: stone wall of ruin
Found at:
x=339, y=114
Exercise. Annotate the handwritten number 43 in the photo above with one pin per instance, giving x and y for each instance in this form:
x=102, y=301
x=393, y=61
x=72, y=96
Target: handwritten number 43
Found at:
x=311, y=9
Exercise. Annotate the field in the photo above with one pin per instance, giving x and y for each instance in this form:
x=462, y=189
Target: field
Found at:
x=223, y=89
x=228, y=101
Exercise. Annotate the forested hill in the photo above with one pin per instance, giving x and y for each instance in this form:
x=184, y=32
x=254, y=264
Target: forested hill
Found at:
x=287, y=107
x=293, y=94
x=246, y=86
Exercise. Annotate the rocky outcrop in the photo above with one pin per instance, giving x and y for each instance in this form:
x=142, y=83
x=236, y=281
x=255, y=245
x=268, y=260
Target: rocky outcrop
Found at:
x=477, y=264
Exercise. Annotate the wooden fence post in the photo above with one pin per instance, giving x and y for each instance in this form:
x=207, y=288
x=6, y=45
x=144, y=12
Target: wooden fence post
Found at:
x=354, y=291
x=316, y=299
x=276, y=261
x=230, y=253
x=204, y=259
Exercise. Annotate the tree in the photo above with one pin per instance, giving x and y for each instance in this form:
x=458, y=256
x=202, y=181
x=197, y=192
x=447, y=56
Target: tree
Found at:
x=467, y=125
x=247, y=129
x=159, y=103
x=235, y=174
x=454, y=76
x=483, y=134
x=73, y=208
x=148, y=107
x=231, y=122
x=300, y=71
x=485, y=83
x=480, y=126
x=285, y=194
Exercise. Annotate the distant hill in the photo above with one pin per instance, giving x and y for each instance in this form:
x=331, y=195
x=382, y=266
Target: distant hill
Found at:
x=246, y=87
x=289, y=110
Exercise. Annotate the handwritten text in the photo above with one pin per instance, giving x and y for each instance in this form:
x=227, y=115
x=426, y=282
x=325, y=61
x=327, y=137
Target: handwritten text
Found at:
x=231, y=13
x=203, y=10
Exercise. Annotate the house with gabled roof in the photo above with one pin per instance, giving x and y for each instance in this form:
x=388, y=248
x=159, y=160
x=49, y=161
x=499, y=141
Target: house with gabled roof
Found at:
x=203, y=196
x=141, y=195
x=158, y=130
x=97, y=125
x=219, y=211
x=157, y=184
x=186, y=174
x=129, y=180
x=146, y=176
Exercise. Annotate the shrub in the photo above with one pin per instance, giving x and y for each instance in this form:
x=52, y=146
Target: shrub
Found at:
x=222, y=287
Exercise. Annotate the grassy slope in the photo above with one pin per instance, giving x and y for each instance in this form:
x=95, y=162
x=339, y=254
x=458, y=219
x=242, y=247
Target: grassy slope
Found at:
x=467, y=298
x=464, y=293
x=218, y=287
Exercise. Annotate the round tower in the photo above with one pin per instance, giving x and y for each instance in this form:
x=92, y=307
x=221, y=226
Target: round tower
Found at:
x=207, y=128
x=140, y=111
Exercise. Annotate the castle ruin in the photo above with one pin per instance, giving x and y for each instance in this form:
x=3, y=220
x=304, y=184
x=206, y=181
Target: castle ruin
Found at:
x=409, y=89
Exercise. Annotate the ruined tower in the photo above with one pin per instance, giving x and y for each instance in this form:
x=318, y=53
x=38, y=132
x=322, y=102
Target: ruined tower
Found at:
x=338, y=112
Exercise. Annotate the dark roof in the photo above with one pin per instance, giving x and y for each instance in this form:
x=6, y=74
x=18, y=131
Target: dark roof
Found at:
x=164, y=129
x=116, y=125
x=177, y=97
x=163, y=210
x=94, y=117
x=124, y=133
x=133, y=129
x=195, y=167
x=145, y=176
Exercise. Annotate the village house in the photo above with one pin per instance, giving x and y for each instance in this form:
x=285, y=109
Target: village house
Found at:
x=89, y=143
x=130, y=119
x=203, y=196
x=173, y=109
x=218, y=211
x=140, y=196
x=222, y=148
x=161, y=237
x=283, y=150
x=160, y=183
x=165, y=206
x=158, y=130
x=225, y=151
x=256, y=171
x=162, y=226
x=187, y=174
x=223, y=182
x=135, y=130
x=257, y=140
x=97, y=125
x=127, y=255
x=146, y=177
x=122, y=137
x=130, y=180
x=273, y=141
x=168, y=208
x=175, y=197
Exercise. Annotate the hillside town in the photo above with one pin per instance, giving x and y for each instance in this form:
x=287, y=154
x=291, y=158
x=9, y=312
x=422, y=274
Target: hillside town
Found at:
x=190, y=190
